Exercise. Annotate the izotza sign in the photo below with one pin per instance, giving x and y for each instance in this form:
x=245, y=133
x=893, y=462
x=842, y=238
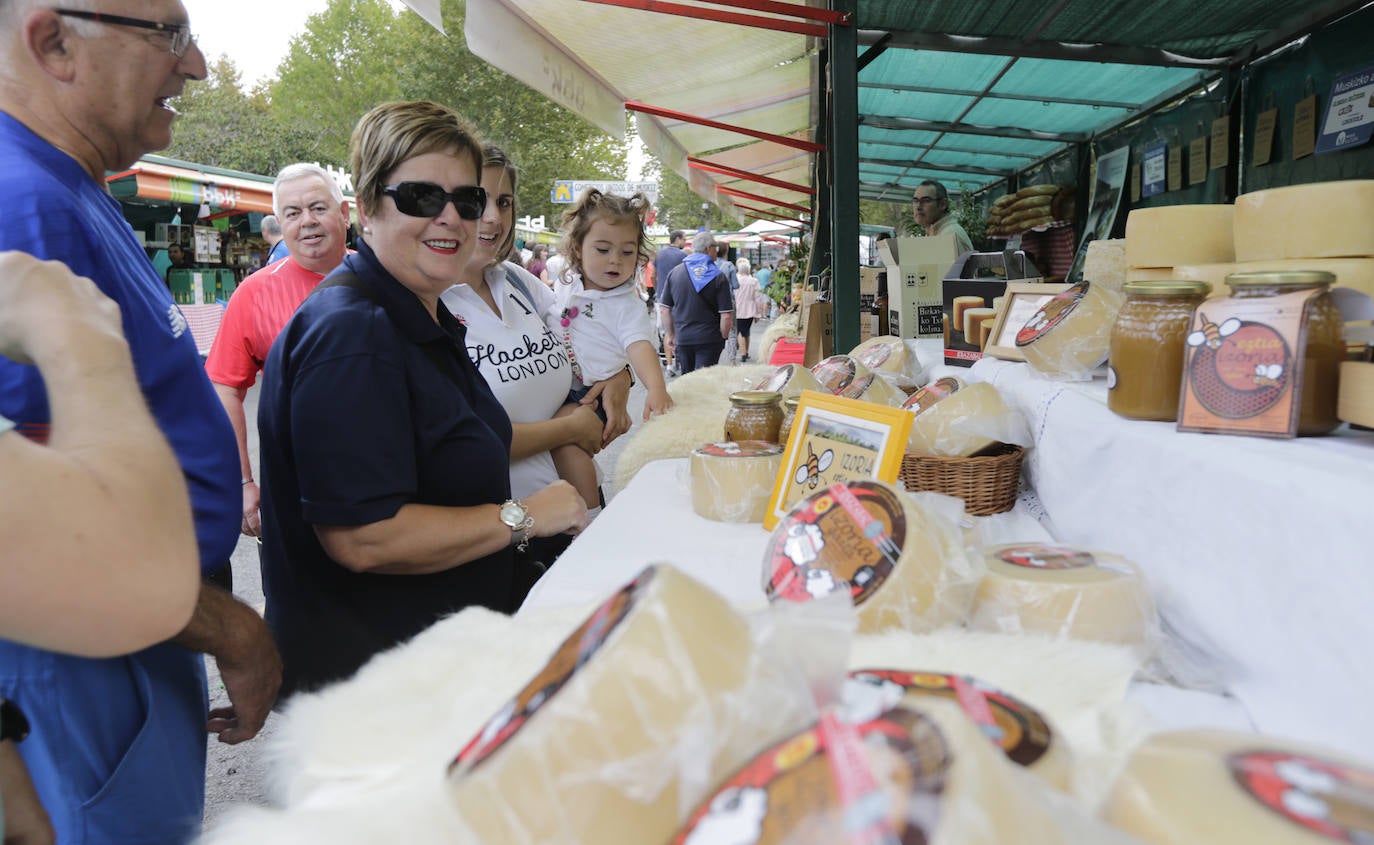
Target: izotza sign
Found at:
x=568, y=190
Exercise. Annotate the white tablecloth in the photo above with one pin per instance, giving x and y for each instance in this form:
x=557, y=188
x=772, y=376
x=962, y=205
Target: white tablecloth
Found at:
x=1261, y=551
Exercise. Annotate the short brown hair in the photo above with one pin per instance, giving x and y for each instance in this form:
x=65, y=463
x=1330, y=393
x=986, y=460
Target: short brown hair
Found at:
x=593, y=206
x=393, y=133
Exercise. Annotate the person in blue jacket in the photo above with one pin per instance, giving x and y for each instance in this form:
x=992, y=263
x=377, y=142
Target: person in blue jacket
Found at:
x=117, y=745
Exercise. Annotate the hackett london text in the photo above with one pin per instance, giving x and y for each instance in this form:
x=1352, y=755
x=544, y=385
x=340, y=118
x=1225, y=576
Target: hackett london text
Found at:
x=529, y=358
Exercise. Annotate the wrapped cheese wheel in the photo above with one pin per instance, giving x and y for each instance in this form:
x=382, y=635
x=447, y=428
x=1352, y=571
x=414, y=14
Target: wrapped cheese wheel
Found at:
x=837, y=372
x=1105, y=263
x=790, y=380
x=1315, y=220
x=1066, y=592
x=1355, y=402
x=636, y=716
x=732, y=482
x=1022, y=733
x=874, y=388
x=902, y=565
x=1070, y=335
x=885, y=352
x=932, y=393
x=1227, y=788
x=956, y=426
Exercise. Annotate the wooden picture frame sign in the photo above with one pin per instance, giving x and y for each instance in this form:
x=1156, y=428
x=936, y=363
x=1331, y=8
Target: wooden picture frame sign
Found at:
x=1021, y=301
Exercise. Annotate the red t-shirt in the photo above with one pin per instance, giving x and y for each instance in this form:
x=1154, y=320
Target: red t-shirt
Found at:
x=256, y=314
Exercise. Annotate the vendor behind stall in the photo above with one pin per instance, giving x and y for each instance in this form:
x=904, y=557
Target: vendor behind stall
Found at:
x=930, y=207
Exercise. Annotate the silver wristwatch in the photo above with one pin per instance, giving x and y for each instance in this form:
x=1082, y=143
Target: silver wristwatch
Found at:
x=516, y=517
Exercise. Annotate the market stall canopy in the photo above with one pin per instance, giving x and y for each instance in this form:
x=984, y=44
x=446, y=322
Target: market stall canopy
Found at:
x=225, y=191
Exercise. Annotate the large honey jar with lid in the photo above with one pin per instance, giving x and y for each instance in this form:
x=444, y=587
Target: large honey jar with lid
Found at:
x=754, y=415
x=1324, y=349
x=1148, y=344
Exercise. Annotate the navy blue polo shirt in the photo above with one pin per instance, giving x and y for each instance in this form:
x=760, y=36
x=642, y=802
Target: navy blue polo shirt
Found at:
x=355, y=420
x=695, y=320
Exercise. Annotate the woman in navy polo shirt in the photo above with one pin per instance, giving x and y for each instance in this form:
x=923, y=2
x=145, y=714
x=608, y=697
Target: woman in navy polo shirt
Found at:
x=385, y=457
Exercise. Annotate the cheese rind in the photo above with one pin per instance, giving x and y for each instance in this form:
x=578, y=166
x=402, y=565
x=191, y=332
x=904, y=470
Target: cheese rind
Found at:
x=1170, y=235
x=885, y=352
x=954, y=426
x=874, y=388
x=1106, y=263
x=1150, y=274
x=1316, y=220
x=1071, y=334
x=790, y=380
x=837, y=372
x=732, y=482
x=1355, y=273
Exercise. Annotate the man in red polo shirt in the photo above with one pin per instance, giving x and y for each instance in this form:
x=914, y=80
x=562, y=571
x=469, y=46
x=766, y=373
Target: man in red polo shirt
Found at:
x=314, y=222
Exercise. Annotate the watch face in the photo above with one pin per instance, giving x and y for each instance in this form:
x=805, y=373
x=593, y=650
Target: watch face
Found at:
x=513, y=514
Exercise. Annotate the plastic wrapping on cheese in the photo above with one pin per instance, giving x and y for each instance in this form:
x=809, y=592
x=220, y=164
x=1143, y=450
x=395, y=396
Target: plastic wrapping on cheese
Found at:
x=885, y=352
x=1070, y=335
x=965, y=423
x=1022, y=733
x=1226, y=788
x=790, y=380
x=1316, y=220
x=932, y=393
x=657, y=697
x=1356, y=273
x=903, y=563
x=1064, y=591
x=732, y=482
x=1170, y=235
x=1105, y=263
x=837, y=372
x=909, y=775
x=874, y=388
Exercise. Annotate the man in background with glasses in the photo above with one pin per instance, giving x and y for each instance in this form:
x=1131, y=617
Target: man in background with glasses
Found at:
x=117, y=749
x=930, y=207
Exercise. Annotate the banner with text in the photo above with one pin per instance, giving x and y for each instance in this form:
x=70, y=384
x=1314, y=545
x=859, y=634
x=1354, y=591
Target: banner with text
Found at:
x=568, y=190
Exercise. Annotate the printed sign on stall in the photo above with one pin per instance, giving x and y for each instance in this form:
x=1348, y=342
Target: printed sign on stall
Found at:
x=1350, y=115
x=1155, y=170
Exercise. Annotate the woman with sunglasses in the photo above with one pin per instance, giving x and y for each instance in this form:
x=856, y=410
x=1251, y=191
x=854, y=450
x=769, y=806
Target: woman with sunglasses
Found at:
x=385, y=463
x=527, y=366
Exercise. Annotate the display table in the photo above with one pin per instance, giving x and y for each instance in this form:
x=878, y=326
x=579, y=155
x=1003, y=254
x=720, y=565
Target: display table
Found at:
x=1258, y=549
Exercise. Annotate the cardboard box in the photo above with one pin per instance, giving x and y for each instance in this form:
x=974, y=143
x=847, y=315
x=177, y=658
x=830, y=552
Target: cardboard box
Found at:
x=915, y=269
x=868, y=281
x=967, y=301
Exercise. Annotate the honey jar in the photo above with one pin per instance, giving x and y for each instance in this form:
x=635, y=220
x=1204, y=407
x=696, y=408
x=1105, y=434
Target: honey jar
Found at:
x=789, y=413
x=754, y=415
x=1148, y=345
x=1325, y=347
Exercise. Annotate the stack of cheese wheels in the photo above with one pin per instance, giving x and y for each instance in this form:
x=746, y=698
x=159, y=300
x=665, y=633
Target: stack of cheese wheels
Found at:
x=1355, y=404
x=838, y=372
x=916, y=773
x=659, y=695
x=732, y=482
x=1021, y=731
x=790, y=380
x=886, y=353
x=1065, y=592
x=1105, y=263
x=1070, y=335
x=950, y=427
x=1161, y=238
x=1322, y=226
x=874, y=388
x=903, y=566
x=1227, y=788
x=1032, y=206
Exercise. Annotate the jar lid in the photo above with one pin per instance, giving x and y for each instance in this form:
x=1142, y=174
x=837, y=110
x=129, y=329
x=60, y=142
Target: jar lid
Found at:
x=755, y=397
x=1167, y=287
x=1282, y=278
x=791, y=401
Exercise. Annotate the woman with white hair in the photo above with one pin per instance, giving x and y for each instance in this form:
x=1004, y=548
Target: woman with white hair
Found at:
x=750, y=304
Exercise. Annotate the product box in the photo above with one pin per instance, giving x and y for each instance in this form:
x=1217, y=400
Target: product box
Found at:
x=915, y=269
x=968, y=294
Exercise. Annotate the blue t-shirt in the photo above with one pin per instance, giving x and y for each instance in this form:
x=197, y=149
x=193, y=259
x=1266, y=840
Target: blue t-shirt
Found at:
x=117, y=751
x=355, y=420
x=696, y=314
x=277, y=252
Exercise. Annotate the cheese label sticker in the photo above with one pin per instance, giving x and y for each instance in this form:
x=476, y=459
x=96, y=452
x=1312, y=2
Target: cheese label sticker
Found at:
x=836, y=372
x=858, y=387
x=1045, y=557
x=875, y=355
x=778, y=380
x=879, y=781
x=1325, y=798
x=576, y=650
x=922, y=399
x=1018, y=729
x=740, y=449
x=1051, y=314
x=848, y=536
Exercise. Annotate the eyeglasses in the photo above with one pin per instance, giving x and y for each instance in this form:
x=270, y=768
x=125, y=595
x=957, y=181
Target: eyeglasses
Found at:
x=426, y=199
x=924, y=200
x=180, y=33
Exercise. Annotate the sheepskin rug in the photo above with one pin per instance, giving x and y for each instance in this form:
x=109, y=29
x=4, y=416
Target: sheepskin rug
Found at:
x=365, y=760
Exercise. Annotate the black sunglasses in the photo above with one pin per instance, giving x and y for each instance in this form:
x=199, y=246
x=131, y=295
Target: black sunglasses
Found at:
x=426, y=199
x=180, y=33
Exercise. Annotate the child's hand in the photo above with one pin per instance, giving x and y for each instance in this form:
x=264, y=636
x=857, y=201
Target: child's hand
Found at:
x=658, y=402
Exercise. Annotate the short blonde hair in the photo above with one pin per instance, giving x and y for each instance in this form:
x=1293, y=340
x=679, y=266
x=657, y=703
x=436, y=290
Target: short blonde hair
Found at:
x=393, y=133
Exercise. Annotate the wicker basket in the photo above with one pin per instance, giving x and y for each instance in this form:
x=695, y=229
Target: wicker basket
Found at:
x=987, y=483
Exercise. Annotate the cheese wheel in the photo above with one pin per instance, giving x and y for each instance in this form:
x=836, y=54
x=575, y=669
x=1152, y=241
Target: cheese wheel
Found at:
x=1150, y=274
x=1214, y=274
x=885, y=352
x=1170, y=235
x=1105, y=263
x=1318, y=220
x=902, y=565
x=1070, y=334
x=1021, y=732
x=837, y=372
x=732, y=482
x=959, y=305
x=874, y=388
x=1355, y=403
x=790, y=380
x=972, y=318
x=985, y=332
x=1064, y=592
x=951, y=427
x=1355, y=273
x=932, y=393
x=595, y=748
x=1227, y=788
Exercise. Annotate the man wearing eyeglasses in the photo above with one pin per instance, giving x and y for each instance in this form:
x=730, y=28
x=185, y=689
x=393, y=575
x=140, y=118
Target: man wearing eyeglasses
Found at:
x=117, y=748
x=930, y=207
x=314, y=221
